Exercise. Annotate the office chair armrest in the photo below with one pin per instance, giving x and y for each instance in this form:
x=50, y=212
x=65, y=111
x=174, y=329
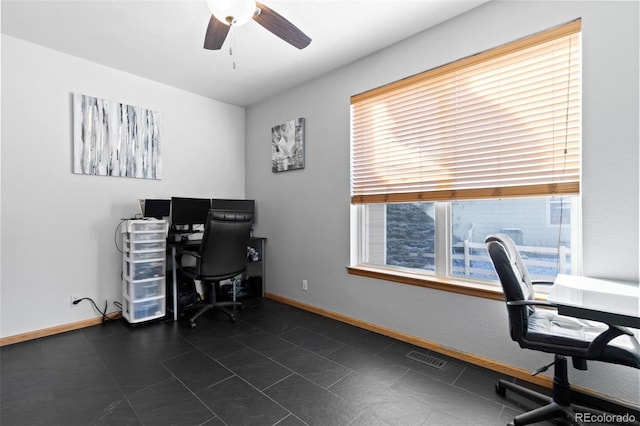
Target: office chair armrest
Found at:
x=623, y=330
x=188, y=253
x=602, y=340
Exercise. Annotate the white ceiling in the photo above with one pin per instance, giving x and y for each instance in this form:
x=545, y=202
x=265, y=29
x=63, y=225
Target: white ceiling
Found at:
x=162, y=39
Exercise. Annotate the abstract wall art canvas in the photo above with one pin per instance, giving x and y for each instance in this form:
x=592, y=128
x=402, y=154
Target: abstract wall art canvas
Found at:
x=115, y=139
x=287, y=146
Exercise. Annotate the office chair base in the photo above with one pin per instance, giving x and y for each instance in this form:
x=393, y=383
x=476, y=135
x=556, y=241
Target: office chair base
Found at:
x=220, y=306
x=550, y=409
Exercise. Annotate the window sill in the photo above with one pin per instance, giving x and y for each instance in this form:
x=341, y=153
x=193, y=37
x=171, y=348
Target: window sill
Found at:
x=461, y=287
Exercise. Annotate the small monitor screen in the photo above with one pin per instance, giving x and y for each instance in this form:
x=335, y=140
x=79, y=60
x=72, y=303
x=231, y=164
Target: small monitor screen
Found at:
x=157, y=208
x=189, y=211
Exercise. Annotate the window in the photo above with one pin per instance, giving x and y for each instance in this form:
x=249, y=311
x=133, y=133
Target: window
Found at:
x=545, y=249
x=487, y=144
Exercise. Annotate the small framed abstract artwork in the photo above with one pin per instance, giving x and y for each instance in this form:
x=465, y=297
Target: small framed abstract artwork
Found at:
x=115, y=139
x=287, y=146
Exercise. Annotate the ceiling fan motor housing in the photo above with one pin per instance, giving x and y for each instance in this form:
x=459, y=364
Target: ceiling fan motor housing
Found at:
x=232, y=12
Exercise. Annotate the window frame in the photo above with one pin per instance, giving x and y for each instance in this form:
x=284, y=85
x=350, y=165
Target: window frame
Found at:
x=441, y=278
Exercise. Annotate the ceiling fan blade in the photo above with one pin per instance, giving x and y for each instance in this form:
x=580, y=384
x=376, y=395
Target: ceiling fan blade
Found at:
x=216, y=34
x=278, y=25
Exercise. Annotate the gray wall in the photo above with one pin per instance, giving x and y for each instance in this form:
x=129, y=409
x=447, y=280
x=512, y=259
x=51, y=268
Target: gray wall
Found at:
x=58, y=228
x=305, y=214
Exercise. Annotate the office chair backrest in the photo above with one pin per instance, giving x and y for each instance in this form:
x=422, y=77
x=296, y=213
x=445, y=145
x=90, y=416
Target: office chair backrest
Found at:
x=223, y=249
x=515, y=281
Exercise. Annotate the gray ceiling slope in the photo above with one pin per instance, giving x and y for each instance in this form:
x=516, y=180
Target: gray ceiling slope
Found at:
x=162, y=40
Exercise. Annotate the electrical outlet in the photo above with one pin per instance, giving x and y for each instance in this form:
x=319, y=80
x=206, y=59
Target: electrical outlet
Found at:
x=305, y=285
x=73, y=299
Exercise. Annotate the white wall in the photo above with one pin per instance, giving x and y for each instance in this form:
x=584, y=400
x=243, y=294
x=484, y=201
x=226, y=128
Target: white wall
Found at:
x=305, y=213
x=58, y=228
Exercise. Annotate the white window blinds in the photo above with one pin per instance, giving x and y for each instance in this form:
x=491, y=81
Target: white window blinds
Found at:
x=505, y=122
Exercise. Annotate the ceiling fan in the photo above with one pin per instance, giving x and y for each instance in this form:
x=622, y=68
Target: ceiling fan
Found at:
x=228, y=13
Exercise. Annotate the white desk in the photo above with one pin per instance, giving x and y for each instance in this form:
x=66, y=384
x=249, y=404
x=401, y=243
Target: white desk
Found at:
x=608, y=301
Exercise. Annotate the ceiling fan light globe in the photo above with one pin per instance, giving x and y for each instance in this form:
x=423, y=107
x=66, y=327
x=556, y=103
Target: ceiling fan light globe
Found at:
x=232, y=12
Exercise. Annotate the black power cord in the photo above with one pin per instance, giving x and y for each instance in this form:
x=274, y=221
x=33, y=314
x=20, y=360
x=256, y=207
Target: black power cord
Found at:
x=115, y=235
x=105, y=317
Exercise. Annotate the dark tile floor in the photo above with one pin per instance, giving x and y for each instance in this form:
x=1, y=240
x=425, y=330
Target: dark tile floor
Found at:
x=277, y=365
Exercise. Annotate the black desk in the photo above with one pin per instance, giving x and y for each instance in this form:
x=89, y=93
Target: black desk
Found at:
x=258, y=243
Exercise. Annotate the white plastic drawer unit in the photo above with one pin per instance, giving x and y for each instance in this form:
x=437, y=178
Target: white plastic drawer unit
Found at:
x=147, y=230
x=143, y=245
x=147, y=236
x=144, y=310
x=145, y=289
x=147, y=225
x=147, y=254
x=144, y=269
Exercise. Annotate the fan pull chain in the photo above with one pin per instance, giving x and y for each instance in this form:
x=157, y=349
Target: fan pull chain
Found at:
x=232, y=46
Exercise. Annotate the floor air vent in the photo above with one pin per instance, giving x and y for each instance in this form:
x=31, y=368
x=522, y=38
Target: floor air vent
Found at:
x=427, y=359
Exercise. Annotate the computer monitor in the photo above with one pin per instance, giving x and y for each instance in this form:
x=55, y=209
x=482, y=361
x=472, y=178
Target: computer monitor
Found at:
x=156, y=208
x=189, y=211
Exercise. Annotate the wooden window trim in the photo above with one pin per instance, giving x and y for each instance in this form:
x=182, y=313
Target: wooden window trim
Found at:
x=524, y=43
x=469, y=288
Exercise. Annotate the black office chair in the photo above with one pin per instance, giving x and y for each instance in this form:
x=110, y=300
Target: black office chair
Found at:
x=536, y=325
x=222, y=255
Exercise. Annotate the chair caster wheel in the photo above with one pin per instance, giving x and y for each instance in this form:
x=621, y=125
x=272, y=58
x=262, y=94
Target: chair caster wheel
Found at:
x=500, y=390
x=193, y=325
